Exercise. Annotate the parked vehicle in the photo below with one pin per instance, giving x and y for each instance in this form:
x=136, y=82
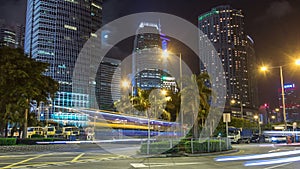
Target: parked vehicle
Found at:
x=255, y=138
x=237, y=135
x=50, y=131
x=267, y=139
x=70, y=131
x=35, y=131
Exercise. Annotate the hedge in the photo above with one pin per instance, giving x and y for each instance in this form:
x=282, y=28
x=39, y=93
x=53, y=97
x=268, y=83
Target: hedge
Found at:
x=184, y=146
x=200, y=147
x=8, y=141
x=32, y=141
x=160, y=147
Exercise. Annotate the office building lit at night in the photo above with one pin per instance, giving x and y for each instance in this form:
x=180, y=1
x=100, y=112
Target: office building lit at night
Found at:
x=55, y=33
x=224, y=27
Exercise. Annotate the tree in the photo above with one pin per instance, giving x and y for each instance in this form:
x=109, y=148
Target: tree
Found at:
x=196, y=95
x=22, y=79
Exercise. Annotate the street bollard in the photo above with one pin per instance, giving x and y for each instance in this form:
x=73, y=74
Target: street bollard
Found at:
x=192, y=146
x=208, y=145
x=220, y=145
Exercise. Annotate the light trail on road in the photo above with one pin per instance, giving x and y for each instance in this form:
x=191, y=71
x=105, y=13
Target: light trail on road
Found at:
x=257, y=156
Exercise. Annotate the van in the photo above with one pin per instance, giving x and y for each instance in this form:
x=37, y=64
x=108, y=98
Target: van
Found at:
x=50, y=131
x=34, y=131
x=70, y=131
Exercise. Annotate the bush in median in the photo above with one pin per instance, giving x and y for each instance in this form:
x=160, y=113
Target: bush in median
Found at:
x=206, y=146
x=160, y=147
x=32, y=141
x=7, y=141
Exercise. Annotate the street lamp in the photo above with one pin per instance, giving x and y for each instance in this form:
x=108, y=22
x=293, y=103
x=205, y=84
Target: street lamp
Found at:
x=264, y=69
x=165, y=54
x=241, y=105
x=126, y=84
x=258, y=123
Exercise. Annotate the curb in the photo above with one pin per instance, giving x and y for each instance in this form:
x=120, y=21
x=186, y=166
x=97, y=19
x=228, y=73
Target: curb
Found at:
x=186, y=154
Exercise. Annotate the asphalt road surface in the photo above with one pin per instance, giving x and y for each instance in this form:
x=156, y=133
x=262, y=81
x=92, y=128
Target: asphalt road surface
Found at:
x=94, y=157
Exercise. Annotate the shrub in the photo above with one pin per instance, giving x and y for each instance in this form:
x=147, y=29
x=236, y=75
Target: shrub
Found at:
x=7, y=141
x=32, y=141
x=160, y=147
x=206, y=146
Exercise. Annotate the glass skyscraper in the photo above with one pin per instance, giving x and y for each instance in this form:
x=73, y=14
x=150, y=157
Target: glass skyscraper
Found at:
x=147, y=55
x=56, y=31
x=224, y=27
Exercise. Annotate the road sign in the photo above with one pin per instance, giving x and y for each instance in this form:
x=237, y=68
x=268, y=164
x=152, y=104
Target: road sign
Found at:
x=226, y=117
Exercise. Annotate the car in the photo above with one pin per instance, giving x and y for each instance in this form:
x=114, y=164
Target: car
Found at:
x=244, y=140
x=268, y=139
x=255, y=139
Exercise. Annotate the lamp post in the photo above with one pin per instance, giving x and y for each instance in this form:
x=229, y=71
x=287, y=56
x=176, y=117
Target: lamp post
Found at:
x=241, y=105
x=166, y=54
x=264, y=69
x=258, y=123
x=126, y=85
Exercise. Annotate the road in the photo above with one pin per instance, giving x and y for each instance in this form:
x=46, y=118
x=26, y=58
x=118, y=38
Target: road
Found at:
x=94, y=157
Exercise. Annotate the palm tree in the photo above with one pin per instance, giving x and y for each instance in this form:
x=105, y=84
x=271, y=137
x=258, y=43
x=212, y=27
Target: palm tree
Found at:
x=205, y=94
x=124, y=104
x=189, y=102
x=195, y=99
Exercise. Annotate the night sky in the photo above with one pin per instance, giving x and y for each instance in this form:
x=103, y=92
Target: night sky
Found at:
x=273, y=25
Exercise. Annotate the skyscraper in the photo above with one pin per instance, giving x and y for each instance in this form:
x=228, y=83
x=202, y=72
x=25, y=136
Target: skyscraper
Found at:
x=252, y=73
x=147, y=54
x=224, y=27
x=292, y=101
x=108, y=83
x=11, y=35
x=55, y=33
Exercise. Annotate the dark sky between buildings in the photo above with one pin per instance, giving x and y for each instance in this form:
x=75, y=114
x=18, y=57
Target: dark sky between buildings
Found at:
x=273, y=25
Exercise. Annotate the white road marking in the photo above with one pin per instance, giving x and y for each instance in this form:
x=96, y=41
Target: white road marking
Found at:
x=147, y=165
x=277, y=166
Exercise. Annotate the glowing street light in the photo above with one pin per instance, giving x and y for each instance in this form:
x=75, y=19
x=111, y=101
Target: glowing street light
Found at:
x=165, y=54
x=241, y=105
x=264, y=68
x=125, y=84
x=256, y=117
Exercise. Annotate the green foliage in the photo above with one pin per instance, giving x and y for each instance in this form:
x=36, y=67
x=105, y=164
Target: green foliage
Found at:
x=159, y=148
x=21, y=79
x=242, y=123
x=206, y=146
x=7, y=141
x=32, y=141
x=37, y=136
x=184, y=146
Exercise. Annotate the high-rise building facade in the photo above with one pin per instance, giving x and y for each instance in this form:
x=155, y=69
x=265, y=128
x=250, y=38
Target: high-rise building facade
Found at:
x=224, y=27
x=292, y=102
x=11, y=35
x=108, y=83
x=56, y=31
x=147, y=55
x=252, y=73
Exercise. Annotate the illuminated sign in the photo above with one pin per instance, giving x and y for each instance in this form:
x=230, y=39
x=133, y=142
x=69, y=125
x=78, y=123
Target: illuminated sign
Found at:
x=289, y=86
x=214, y=11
